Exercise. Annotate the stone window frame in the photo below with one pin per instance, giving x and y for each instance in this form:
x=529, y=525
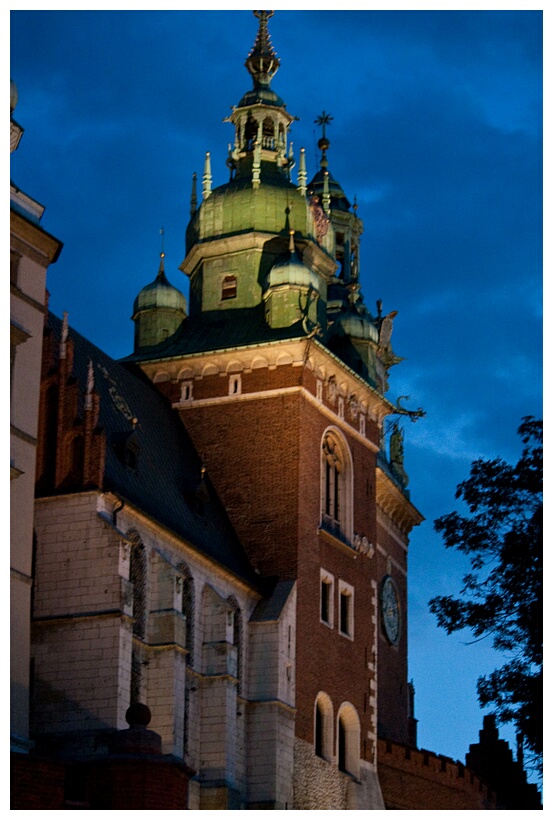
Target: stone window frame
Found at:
x=187, y=391
x=235, y=384
x=323, y=723
x=336, y=492
x=348, y=740
x=326, y=580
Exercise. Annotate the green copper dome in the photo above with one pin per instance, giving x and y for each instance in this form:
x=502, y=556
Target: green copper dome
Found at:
x=238, y=207
x=159, y=310
x=292, y=271
x=338, y=199
x=160, y=294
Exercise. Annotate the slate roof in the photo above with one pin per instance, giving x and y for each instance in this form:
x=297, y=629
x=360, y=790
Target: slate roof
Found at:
x=166, y=482
x=270, y=608
x=220, y=330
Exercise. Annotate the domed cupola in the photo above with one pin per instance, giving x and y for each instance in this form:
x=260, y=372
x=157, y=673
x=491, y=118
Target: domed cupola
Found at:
x=158, y=311
x=260, y=119
x=239, y=230
x=354, y=336
x=294, y=292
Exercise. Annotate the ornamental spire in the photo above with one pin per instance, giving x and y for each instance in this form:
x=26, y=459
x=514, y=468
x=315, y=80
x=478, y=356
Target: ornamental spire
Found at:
x=302, y=174
x=324, y=143
x=161, y=271
x=262, y=61
x=206, y=190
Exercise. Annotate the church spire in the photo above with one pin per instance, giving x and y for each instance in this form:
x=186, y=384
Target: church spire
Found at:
x=324, y=143
x=262, y=61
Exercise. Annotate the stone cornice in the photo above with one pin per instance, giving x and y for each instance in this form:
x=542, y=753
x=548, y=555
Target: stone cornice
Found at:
x=33, y=241
x=303, y=352
x=392, y=501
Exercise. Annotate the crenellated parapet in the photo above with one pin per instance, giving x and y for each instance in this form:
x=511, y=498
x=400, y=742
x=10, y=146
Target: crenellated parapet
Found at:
x=418, y=779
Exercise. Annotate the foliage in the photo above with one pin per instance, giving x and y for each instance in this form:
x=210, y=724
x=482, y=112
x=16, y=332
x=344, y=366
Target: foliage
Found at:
x=502, y=594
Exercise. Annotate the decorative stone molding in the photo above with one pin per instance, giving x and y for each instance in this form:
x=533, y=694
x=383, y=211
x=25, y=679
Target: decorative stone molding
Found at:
x=362, y=544
x=395, y=504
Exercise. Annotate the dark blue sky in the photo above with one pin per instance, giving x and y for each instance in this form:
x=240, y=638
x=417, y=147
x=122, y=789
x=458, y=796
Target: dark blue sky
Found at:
x=437, y=131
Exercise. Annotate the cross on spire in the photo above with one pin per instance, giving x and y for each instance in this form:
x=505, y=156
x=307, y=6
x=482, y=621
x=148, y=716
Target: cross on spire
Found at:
x=324, y=119
x=324, y=143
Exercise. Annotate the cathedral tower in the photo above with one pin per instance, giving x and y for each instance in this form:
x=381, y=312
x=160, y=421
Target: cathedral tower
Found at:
x=279, y=373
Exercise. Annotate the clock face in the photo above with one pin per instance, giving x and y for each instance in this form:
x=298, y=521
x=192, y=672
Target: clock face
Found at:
x=389, y=604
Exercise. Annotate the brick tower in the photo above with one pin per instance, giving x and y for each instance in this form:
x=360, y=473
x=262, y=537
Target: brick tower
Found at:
x=279, y=373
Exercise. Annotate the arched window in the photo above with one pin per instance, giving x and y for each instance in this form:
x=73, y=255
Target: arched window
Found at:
x=250, y=133
x=336, y=480
x=323, y=726
x=348, y=740
x=268, y=133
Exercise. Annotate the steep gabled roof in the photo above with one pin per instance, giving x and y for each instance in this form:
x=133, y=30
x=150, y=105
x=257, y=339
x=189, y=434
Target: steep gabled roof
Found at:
x=150, y=460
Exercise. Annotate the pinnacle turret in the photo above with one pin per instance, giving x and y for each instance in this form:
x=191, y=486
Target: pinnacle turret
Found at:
x=262, y=61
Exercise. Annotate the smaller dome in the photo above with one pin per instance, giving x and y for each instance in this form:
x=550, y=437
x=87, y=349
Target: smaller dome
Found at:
x=261, y=94
x=292, y=271
x=358, y=326
x=338, y=199
x=160, y=294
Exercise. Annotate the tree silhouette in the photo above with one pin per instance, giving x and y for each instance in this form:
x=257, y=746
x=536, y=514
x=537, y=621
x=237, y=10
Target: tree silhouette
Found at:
x=502, y=595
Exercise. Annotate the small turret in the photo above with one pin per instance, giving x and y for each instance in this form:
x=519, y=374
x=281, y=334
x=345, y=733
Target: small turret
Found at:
x=159, y=310
x=293, y=292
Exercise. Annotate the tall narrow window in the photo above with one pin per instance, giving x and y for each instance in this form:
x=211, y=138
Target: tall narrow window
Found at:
x=327, y=598
x=237, y=638
x=342, y=745
x=137, y=576
x=138, y=580
x=318, y=730
x=345, y=596
x=188, y=611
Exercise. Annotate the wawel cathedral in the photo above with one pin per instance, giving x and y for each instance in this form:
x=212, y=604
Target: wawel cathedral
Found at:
x=209, y=537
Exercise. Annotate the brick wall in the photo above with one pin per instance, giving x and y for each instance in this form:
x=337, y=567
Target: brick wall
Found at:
x=35, y=783
x=416, y=779
x=264, y=455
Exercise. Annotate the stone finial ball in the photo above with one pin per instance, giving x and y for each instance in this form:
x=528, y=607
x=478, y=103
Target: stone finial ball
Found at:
x=138, y=714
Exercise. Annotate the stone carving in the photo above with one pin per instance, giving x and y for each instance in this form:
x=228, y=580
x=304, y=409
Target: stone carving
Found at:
x=332, y=390
x=362, y=544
